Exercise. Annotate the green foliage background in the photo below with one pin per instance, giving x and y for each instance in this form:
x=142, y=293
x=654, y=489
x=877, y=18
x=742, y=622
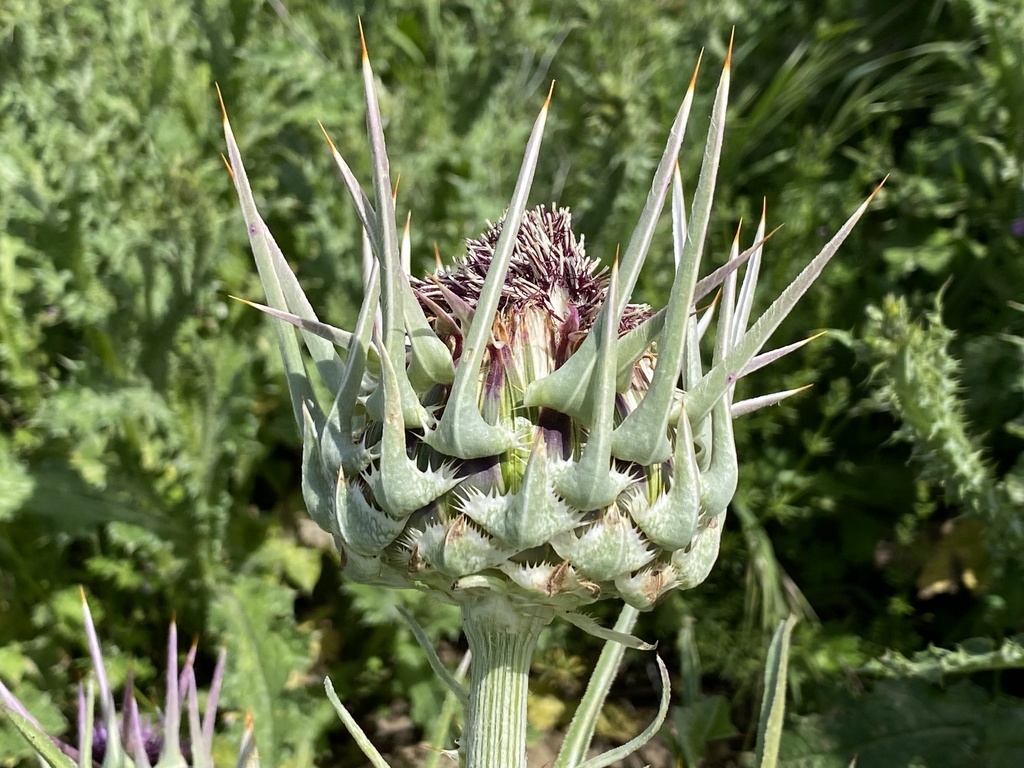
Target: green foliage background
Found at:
x=146, y=444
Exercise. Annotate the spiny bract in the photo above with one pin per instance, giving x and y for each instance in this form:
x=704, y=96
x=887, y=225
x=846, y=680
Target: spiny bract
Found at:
x=513, y=423
x=128, y=739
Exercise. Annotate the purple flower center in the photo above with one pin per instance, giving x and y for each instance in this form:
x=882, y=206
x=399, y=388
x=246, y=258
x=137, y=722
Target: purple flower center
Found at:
x=152, y=741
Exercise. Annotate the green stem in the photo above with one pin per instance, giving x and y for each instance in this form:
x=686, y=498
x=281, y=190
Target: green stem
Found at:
x=502, y=637
x=584, y=722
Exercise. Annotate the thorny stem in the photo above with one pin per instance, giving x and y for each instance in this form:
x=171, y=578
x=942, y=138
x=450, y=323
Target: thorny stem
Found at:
x=502, y=638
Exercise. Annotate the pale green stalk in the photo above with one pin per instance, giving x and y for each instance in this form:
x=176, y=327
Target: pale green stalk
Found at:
x=773, y=706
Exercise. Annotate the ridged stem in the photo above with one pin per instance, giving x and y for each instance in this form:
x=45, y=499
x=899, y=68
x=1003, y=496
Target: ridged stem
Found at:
x=502, y=638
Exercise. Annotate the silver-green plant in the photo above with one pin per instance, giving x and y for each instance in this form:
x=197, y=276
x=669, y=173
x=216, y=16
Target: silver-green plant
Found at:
x=127, y=739
x=511, y=435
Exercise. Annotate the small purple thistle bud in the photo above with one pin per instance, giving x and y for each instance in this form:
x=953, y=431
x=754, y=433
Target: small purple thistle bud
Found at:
x=152, y=740
x=142, y=739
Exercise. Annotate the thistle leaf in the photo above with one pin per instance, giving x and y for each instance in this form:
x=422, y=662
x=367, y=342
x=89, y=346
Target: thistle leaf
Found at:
x=316, y=490
x=87, y=724
x=723, y=333
x=537, y=512
x=108, y=709
x=201, y=757
x=640, y=241
x=709, y=282
x=337, y=445
x=461, y=549
x=213, y=697
x=606, y=547
x=170, y=753
x=693, y=565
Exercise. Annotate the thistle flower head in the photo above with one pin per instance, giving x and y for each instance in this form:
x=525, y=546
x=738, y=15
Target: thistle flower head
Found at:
x=550, y=281
x=512, y=423
x=126, y=738
x=550, y=299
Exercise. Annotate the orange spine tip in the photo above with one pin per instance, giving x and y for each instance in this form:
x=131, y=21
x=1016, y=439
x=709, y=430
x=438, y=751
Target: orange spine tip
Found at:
x=696, y=69
x=330, y=143
x=710, y=305
x=551, y=89
x=878, y=188
x=818, y=335
x=394, y=192
x=764, y=208
x=728, y=55
x=736, y=237
x=362, y=39
x=437, y=258
x=81, y=593
x=220, y=98
x=766, y=237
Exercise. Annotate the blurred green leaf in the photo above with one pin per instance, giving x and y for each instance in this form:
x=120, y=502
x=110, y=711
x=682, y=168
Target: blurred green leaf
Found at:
x=910, y=723
x=706, y=720
x=934, y=664
x=16, y=482
x=146, y=446
x=269, y=656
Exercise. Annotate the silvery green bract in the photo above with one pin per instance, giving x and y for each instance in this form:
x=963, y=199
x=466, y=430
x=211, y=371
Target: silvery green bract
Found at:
x=511, y=434
x=128, y=739
x=512, y=423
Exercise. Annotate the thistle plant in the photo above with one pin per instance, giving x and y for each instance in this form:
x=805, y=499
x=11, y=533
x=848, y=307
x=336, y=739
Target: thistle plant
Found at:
x=511, y=434
x=128, y=739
